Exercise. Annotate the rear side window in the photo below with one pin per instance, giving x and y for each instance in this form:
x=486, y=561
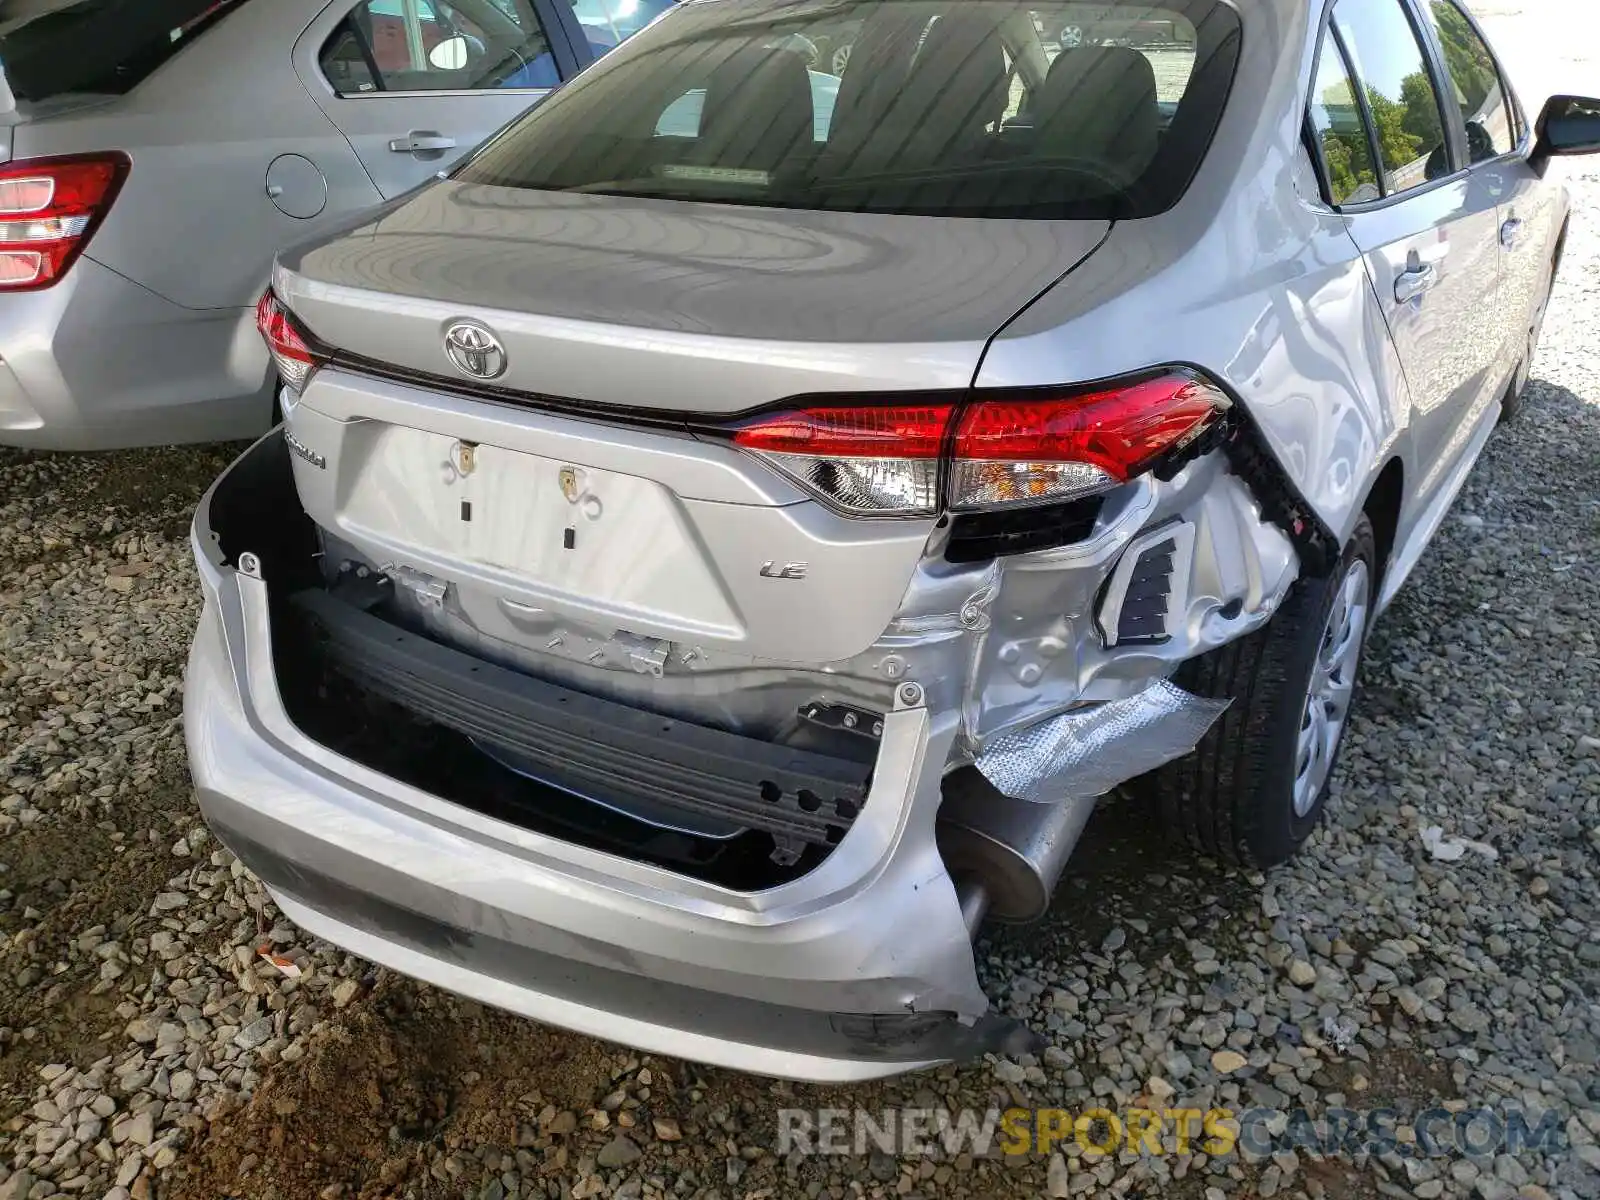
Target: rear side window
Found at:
x=1406, y=115
x=97, y=47
x=1336, y=120
x=1475, y=81
x=935, y=107
x=438, y=46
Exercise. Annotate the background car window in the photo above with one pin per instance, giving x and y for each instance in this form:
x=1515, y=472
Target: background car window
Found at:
x=609, y=23
x=1163, y=38
x=105, y=47
x=438, y=46
x=936, y=107
x=1485, y=107
x=1406, y=115
x=1336, y=117
x=682, y=116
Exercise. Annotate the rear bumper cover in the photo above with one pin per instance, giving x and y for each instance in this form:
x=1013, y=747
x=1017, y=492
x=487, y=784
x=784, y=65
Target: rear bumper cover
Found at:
x=863, y=967
x=860, y=967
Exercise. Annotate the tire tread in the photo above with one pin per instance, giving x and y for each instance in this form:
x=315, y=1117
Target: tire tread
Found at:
x=1222, y=799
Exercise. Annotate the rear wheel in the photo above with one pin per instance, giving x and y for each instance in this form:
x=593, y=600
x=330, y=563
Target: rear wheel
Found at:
x=1257, y=784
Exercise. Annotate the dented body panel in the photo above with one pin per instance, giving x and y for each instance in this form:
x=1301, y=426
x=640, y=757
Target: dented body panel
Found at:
x=672, y=611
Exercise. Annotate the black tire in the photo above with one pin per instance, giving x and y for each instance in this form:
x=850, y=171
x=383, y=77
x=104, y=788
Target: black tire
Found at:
x=1233, y=798
x=1513, y=402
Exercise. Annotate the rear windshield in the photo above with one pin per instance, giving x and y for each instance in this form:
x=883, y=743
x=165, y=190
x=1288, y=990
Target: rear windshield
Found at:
x=936, y=107
x=55, y=47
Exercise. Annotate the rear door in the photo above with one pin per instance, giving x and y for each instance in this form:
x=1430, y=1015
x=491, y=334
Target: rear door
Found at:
x=415, y=84
x=1498, y=143
x=1428, y=227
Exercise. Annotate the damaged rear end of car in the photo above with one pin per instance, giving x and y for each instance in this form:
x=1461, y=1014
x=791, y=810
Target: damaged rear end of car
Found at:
x=640, y=621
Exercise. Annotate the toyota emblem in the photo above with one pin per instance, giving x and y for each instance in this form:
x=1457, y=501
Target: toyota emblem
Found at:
x=474, y=350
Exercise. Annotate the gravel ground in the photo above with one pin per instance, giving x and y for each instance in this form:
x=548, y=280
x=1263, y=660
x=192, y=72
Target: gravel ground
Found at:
x=148, y=1050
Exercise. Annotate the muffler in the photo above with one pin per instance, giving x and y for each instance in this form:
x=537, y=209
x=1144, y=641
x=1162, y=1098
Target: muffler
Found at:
x=1005, y=855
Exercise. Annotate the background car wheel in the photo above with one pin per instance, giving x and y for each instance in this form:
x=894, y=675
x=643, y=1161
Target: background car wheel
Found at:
x=840, y=59
x=1255, y=787
x=1512, y=402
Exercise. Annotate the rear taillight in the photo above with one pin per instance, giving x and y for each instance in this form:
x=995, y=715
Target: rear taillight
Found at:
x=292, y=356
x=1041, y=448
x=49, y=208
x=999, y=450
x=868, y=460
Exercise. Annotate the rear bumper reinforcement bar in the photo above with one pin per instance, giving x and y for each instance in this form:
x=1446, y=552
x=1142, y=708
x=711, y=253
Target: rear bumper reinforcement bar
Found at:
x=590, y=746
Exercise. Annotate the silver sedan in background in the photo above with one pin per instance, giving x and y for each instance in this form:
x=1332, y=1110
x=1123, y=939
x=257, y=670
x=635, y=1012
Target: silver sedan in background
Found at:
x=154, y=154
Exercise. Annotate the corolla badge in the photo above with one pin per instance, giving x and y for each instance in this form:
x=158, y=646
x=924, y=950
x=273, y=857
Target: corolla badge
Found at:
x=474, y=351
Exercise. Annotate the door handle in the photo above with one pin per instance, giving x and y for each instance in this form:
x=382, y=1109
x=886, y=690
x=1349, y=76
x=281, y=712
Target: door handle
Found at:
x=1413, y=281
x=422, y=141
x=1510, y=232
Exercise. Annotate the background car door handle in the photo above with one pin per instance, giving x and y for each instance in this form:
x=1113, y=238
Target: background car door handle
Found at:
x=1510, y=232
x=420, y=141
x=1413, y=281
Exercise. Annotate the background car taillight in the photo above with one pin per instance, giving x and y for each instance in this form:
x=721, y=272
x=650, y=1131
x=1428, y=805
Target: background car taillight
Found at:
x=49, y=208
x=291, y=354
x=1001, y=449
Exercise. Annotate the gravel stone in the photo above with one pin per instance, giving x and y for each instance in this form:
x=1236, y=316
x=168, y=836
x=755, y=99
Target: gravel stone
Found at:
x=618, y=1152
x=1226, y=1062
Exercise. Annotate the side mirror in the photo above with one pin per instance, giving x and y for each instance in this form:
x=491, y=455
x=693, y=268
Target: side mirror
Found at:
x=451, y=54
x=1568, y=125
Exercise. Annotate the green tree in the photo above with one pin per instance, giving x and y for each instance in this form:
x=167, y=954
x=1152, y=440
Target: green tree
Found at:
x=1341, y=166
x=1397, y=145
x=1471, y=68
x=1421, y=118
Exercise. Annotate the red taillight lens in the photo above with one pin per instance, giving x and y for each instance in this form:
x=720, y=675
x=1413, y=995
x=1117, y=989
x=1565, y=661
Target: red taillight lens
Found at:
x=290, y=354
x=1018, y=448
x=49, y=208
x=1032, y=449
x=874, y=461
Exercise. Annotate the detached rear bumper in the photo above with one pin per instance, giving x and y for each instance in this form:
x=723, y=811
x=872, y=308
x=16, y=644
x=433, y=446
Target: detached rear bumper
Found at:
x=861, y=968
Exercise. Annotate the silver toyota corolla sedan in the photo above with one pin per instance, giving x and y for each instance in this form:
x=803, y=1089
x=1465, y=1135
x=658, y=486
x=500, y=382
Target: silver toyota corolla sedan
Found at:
x=155, y=155
x=718, y=550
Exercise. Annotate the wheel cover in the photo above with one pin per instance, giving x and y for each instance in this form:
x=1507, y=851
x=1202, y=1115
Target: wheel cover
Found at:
x=1333, y=683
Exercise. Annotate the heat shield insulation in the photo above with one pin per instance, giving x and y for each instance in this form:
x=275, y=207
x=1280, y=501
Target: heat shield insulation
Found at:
x=1085, y=754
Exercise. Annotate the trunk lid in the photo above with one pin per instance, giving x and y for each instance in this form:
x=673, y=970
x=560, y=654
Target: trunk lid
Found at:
x=679, y=306
x=608, y=546
x=26, y=120
x=632, y=545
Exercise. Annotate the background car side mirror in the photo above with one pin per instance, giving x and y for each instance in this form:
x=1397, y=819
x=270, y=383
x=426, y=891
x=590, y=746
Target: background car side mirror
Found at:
x=1568, y=125
x=451, y=54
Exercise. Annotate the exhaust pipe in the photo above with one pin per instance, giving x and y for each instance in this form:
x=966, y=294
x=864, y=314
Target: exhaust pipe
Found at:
x=1005, y=855
x=973, y=896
